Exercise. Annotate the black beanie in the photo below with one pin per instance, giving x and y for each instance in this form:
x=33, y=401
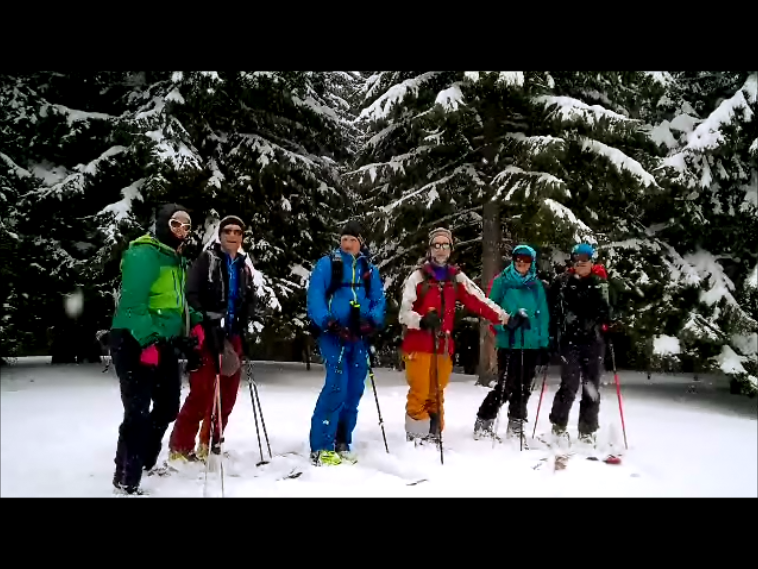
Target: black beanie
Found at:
x=229, y=220
x=352, y=228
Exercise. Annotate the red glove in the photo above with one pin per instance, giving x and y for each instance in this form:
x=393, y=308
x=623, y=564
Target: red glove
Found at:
x=198, y=333
x=150, y=356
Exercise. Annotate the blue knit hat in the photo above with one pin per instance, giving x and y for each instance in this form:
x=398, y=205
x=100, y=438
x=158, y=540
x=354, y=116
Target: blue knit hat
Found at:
x=583, y=249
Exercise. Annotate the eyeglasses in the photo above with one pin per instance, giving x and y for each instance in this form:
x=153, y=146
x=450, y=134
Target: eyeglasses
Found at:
x=176, y=224
x=232, y=231
x=581, y=258
x=522, y=259
x=442, y=246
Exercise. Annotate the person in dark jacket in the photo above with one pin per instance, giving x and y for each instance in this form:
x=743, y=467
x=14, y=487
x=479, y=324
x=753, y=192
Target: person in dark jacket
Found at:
x=221, y=288
x=580, y=314
x=151, y=316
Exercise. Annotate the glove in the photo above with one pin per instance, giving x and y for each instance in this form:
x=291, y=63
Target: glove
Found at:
x=199, y=333
x=519, y=319
x=150, y=356
x=194, y=360
x=367, y=328
x=430, y=320
x=543, y=357
x=334, y=327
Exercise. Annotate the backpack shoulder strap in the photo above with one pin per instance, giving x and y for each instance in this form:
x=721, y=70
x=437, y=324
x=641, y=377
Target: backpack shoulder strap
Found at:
x=336, y=278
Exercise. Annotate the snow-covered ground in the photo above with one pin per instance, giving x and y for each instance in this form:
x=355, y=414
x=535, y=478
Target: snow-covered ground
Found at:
x=59, y=429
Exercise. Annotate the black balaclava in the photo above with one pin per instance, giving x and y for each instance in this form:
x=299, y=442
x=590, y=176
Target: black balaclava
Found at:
x=163, y=232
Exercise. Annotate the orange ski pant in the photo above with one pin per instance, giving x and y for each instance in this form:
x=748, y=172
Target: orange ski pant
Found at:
x=422, y=392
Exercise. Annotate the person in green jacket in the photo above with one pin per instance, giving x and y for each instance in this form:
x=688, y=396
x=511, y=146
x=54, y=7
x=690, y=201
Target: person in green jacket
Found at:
x=522, y=343
x=151, y=319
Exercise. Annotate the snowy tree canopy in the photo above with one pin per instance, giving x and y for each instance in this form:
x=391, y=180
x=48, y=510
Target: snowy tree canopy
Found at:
x=658, y=169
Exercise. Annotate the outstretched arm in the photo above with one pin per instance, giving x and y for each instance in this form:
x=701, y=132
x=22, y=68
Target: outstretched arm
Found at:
x=472, y=297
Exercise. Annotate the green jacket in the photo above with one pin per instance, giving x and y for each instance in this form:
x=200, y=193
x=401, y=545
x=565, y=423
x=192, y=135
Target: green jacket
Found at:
x=512, y=292
x=152, y=304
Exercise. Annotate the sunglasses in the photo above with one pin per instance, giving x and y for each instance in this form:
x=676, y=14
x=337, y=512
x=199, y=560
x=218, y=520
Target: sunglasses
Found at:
x=522, y=259
x=441, y=246
x=176, y=224
x=581, y=258
x=231, y=231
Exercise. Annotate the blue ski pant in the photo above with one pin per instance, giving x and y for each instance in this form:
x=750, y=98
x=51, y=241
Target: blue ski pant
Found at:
x=346, y=366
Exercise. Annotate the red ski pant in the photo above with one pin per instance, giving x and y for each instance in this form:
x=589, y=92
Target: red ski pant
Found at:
x=197, y=406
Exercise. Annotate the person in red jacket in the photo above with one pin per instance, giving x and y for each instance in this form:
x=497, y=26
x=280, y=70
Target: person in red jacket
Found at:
x=427, y=310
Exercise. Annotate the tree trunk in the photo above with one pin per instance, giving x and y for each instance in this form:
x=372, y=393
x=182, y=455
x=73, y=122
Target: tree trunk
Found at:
x=490, y=267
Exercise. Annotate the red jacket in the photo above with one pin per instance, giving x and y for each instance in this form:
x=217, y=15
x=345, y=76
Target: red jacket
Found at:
x=415, y=303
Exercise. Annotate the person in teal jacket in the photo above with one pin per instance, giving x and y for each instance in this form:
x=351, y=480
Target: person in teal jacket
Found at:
x=522, y=343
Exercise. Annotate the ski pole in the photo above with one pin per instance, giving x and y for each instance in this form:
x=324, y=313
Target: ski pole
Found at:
x=215, y=416
x=502, y=380
x=522, y=404
x=618, y=393
x=260, y=408
x=437, y=395
x=376, y=398
x=255, y=415
x=539, y=404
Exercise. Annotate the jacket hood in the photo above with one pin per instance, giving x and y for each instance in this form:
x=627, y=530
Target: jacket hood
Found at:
x=162, y=231
x=513, y=275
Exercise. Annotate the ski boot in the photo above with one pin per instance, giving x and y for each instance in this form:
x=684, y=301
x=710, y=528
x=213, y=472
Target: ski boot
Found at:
x=516, y=431
x=120, y=489
x=325, y=458
x=587, y=442
x=562, y=443
x=343, y=450
x=484, y=429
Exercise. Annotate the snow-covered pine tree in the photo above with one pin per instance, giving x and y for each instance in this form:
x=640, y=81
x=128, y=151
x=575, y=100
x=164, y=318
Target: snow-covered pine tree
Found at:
x=57, y=127
x=266, y=146
x=709, y=129
x=521, y=149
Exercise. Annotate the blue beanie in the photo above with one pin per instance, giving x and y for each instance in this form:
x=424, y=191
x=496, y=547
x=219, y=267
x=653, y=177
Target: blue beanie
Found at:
x=583, y=249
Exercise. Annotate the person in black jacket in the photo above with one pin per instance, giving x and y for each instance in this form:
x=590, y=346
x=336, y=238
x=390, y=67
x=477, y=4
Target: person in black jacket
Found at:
x=580, y=315
x=220, y=287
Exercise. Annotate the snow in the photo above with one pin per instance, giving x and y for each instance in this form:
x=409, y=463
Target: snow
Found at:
x=662, y=77
x=751, y=192
x=719, y=285
x=450, y=98
x=661, y=134
x=754, y=147
x=669, y=426
x=121, y=208
x=74, y=115
x=20, y=172
x=729, y=361
x=752, y=279
x=92, y=167
x=684, y=123
x=511, y=78
x=708, y=135
x=74, y=303
x=620, y=160
x=568, y=108
x=175, y=95
x=666, y=345
x=562, y=212
x=380, y=108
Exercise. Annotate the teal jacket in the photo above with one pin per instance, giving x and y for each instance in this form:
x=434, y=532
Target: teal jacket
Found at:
x=512, y=292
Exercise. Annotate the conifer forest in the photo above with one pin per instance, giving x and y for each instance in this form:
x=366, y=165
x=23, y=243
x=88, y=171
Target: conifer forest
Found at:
x=659, y=170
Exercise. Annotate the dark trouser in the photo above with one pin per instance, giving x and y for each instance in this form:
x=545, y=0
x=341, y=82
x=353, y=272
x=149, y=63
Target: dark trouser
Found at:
x=142, y=430
x=514, y=386
x=579, y=360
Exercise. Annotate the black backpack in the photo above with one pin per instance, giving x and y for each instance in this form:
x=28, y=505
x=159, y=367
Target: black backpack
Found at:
x=336, y=282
